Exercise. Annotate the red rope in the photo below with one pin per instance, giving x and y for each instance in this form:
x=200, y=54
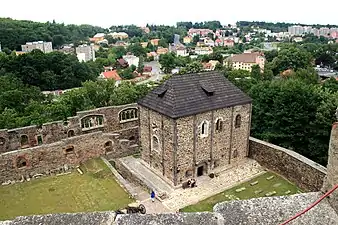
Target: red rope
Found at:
x=311, y=206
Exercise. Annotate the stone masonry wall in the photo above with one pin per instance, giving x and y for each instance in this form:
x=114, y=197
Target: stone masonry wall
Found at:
x=203, y=143
x=240, y=132
x=25, y=137
x=221, y=137
x=144, y=134
x=156, y=141
x=168, y=150
x=331, y=179
x=185, y=152
x=307, y=174
x=67, y=153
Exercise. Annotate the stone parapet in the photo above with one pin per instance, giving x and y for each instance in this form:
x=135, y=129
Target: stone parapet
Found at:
x=298, y=169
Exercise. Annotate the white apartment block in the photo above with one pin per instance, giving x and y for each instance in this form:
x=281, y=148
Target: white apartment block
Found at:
x=45, y=47
x=85, y=52
x=131, y=60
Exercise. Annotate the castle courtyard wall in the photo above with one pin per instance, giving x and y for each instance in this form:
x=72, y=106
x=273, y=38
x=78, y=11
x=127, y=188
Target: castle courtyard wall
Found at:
x=298, y=169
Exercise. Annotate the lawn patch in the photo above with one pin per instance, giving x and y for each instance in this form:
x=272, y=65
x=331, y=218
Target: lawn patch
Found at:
x=264, y=185
x=95, y=190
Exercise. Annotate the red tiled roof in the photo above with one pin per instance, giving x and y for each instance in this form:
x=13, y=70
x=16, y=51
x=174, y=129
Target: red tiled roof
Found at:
x=147, y=69
x=122, y=62
x=111, y=75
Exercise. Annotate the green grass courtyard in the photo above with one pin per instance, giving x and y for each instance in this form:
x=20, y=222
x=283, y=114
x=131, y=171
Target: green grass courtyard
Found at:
x=267, y=184
x=95, y=190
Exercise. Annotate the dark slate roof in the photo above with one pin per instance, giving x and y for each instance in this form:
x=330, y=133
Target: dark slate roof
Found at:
x=185, y=95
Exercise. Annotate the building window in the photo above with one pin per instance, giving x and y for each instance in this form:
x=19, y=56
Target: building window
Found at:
x=24, y=140
x=39, y=139
x=92, y=122
x=71, y=133
x=204, y=129
x=219, y=125
x=128, y=115
x=238, y=121
x=155, y=144
x=21, y=162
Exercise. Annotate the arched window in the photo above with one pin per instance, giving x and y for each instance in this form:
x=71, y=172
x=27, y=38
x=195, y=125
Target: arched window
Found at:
x=204, y=127
x=219, y=125
x=155, y=144
x=21, y=162
x=24, y=140
x=238, y=121
x=127, y=115
x=92, y=122
x=71, y=133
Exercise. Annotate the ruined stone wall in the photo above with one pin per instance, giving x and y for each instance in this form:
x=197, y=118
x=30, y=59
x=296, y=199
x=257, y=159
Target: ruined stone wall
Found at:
x=108, y=121
x=67, y=153
x=331, y=179
x=241, y=120
x=185, y=167
x=300, y=170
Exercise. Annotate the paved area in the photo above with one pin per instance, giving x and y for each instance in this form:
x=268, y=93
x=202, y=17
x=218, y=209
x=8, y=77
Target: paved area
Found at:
x=152, y=180
x=207, y=187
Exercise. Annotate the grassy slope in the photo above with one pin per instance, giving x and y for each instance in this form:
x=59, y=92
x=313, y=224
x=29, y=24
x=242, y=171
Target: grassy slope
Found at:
x=95, y=190
x=263, y=184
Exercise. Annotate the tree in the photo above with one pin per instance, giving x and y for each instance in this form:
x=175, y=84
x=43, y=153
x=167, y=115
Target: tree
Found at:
x=331, y=85
x=58, y=41
x=140, y=65
x=195, y=39
x=127, y=73
x=256, y=72
x=293, y=114
x=167, y=62
x=291, y=58
x=193, y=67
x=137, y=50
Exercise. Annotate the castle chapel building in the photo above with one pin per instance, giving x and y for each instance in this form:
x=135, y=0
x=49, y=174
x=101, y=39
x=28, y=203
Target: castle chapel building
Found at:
x=192, y=124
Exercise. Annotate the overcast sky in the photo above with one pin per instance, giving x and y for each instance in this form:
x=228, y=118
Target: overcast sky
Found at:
x=140, y=12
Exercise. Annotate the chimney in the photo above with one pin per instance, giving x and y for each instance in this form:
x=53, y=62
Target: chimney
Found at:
x=331, y=178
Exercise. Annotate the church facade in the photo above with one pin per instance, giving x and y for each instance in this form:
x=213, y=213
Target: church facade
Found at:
x=193, y=124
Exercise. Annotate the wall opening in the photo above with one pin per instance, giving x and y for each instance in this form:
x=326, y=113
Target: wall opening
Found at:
x=219, y=125
x=2, y=141
x=128, y=115
x=108, y=146
x=21, y=162
x=92, y=122
x=39, y=139
x=200, y=171
x=204, y=127
x=69, y=150
x=132, y=138
x=24, y=140
x=155, y=144
x=71, y=133
x=238, y=121
x=235, y=153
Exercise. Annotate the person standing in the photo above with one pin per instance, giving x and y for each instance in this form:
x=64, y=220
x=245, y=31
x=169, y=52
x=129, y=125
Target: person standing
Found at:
x=152, y=196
